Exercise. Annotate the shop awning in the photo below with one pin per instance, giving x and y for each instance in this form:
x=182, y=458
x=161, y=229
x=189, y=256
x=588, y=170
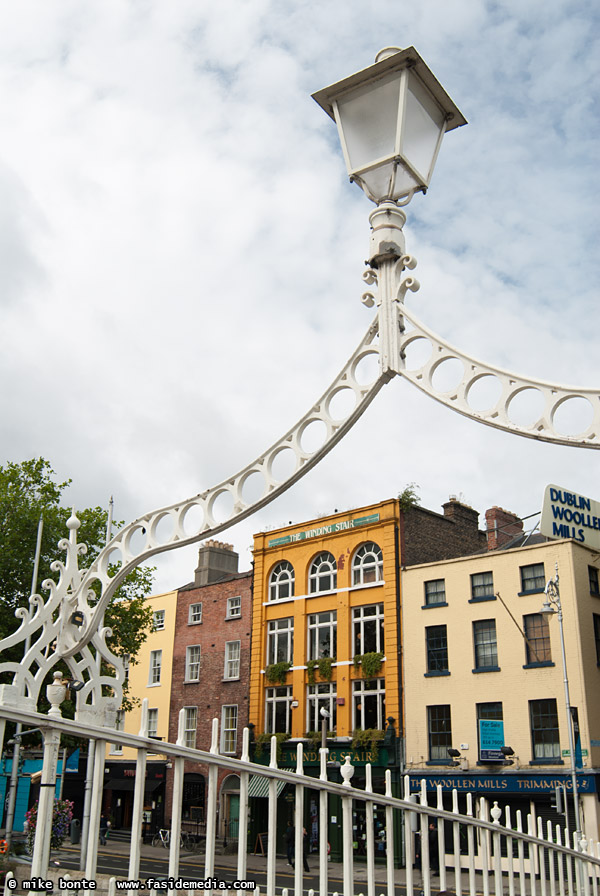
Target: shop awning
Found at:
x=259, y=786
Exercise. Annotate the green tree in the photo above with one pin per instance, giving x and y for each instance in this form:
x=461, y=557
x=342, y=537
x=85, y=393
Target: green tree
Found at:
x=29, y=490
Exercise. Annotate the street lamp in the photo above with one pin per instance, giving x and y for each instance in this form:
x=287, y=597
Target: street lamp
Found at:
x=553, y=605
x=391, y=119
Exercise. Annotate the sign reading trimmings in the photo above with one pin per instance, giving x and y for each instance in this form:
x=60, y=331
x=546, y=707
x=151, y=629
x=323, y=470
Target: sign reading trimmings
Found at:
x=340, y=526
x=566, y=514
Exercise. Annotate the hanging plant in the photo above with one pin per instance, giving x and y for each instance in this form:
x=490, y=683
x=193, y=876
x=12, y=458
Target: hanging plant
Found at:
x=276, y=673
x=369, y=663
x=314, y=739
x=368, y=739
x=62, y=814
x=324, y=666
x=264, y=740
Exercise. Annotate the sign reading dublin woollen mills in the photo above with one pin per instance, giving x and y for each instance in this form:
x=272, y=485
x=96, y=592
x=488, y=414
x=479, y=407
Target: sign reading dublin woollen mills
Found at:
x=566, y=514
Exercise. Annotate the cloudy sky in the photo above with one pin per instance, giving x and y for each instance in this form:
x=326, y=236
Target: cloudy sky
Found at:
x=181, y=252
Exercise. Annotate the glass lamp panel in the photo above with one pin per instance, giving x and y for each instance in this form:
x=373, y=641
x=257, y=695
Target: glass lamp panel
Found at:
x=423, y=122
x=388, y=181
x=369, y=117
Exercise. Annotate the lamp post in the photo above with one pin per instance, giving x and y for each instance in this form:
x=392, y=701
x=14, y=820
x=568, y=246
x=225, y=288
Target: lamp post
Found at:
x=552, y=605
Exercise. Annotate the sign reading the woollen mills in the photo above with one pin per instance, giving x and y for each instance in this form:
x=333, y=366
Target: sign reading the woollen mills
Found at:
x=566, y=514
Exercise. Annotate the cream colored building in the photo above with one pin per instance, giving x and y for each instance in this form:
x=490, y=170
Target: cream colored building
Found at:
x=483, y=670
x=149, y=677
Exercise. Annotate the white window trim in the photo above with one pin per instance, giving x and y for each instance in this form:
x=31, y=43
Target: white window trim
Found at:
x=153, y=666
x=187, y=677
x=195, y=621
x=186, y=730
x=153, y=732
x=158, y=621
x=229, y=660
x=224, y=729
x=231, y=615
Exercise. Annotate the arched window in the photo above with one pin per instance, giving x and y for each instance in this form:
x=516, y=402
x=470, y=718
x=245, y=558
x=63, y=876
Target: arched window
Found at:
x=281, y=581
x=367, y=565
x=323, y=573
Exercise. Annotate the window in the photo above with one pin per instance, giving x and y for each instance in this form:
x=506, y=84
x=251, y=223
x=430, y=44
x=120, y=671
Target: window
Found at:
x=485, y=644
x=192, y=663
x=232, y=659
x=281, y=582
x=532, y=578
x=153, y=723
x=367, y=623
x=229, y=721
x=597, y=636
x=537, y=645
x=280, y=641
x=234, y=607
x=322, y=635
x=544, y=730
x=439, y=728
x=158, y=621
x=369, y=703
x=593, y=576
x=321, y=696
x=367, y=566
x=190, y=723
x=126, y=664
x=436, y=642
x=119, y=725
x=195, y=614
x=490, y=712
x=155, y=667
x=323, y=573
x=278, y=710
x=435, y=592
x=482, y=586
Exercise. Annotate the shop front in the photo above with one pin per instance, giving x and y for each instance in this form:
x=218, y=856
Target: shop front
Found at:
x=119, y=786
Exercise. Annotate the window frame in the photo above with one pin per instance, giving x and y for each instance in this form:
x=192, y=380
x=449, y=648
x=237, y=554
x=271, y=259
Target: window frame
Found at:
x=439, y=728
x=190, y=732
x=231, y=670
x=276, y=632
x=323, y=569
x=436, y=655
x=532, y=622
x=155, y=668
x=594, y=580
x=119, y=726
x=537, y=589
x=274, y=698
x=596, y=625
x=314, y=628
x=229, y=731
x=363, y=567
x=359, y=619
x=482, y=591
x=158, y=621
x=231, y=607
x=195, y=616
x=189, y=663
x=282, y=578
x=153, y=722
x=485, y=648
x=431, y=593
x=321, y=694
x=542, y=708
x=362, y=689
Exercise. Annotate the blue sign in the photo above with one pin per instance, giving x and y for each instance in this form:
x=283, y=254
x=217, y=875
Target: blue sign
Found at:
x=491, y=740
x=526, y=784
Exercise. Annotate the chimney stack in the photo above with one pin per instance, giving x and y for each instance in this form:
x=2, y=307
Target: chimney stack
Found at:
x=216, y=560
x=502, y=526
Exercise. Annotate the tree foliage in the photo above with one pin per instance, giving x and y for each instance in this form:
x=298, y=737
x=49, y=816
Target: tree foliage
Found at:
x=28, y=491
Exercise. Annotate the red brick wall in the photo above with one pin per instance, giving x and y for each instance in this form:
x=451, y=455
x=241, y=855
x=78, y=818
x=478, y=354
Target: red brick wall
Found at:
x=427, y=536
x=211, y=692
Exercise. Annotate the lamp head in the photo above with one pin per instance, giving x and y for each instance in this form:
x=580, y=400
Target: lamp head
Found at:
x=391, y=119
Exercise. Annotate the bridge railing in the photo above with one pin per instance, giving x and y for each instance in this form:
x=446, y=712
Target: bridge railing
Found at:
x=482, y=850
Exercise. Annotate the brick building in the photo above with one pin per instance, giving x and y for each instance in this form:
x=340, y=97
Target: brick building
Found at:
x=211, y=668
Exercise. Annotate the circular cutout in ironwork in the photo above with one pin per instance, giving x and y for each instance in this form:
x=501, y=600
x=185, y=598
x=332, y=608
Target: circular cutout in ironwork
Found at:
x=526, y=407
x=573, y=416
x=484, y=393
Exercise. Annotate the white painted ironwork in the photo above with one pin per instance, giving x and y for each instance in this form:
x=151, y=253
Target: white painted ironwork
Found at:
x=547, y=862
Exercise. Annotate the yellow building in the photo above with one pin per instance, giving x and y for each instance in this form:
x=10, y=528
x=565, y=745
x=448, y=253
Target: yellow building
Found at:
x=483, y=671
x=149, y=677
x=326, y=590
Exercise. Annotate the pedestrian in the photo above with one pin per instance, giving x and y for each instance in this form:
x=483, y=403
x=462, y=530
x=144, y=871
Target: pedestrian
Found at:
x=434, y=854
x=104, y=826
x=290, y=835
x=305, y=848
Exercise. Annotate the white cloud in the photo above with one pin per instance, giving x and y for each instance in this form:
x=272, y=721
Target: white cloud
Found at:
x=182, y=253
